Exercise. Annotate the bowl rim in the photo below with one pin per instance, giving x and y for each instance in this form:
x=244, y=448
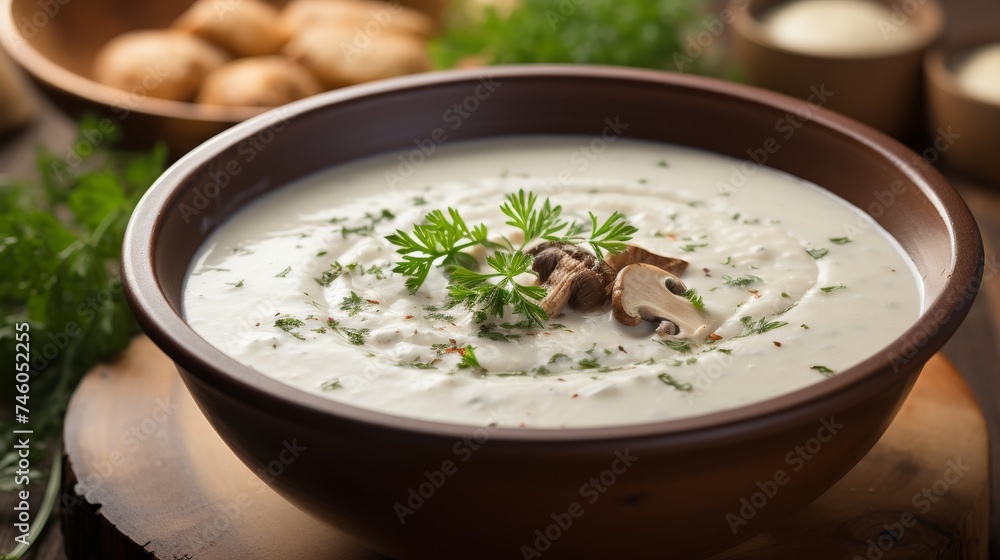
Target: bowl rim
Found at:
x=213, y=367
x=53, y=75
x=747, y=23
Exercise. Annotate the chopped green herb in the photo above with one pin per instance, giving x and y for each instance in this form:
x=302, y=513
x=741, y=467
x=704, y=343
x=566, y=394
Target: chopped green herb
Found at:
x=377, y=270
x=840, y=240
x=804, y=326
x=469, y=360
x=691, y=247
x=691, y=361
x=662, y=163
x=741, y=281
x=439, y=316
x=330, y=274
x=419, y=201
x=542, y=370
x=369, y=228
x=728, y=260
x=824, y=370
x=588, y=363
x=355, y=336
x=692, y=295
x=828, y=289
x=417, y=364
x=785, y=295
x=760, y=327
x=682, y=346
x=669, y=380
x=235, y=284
x=556, y=357
x=489, y=330
x=289, y=324
x=817, y=253
x=331, y=385
x=283, y=273
x=726, y=350
x=354, y=304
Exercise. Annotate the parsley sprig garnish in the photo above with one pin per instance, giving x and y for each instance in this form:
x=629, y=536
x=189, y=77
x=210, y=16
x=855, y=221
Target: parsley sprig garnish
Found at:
x=444, y=236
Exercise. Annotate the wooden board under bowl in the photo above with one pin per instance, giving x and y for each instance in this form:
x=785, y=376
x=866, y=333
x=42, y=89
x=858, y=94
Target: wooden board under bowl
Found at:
x=148, y=477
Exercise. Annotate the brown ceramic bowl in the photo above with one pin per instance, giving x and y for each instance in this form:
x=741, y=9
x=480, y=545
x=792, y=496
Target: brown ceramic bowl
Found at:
x=56, y=41
x=689, y=474
x=950, y=107
x=881, y=90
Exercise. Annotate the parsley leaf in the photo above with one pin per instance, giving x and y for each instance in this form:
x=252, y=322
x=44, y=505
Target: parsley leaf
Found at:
x=331, y=385
x=741, y=281
x=824, y=370
x=692, y=295
x=817, y=253
x=681, y=346
x=760, y=327
x=669, y=380
x=354, y=304
x=493, y=292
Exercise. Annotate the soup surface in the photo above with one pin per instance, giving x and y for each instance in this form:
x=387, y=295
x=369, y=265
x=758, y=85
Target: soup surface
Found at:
x=796, y=285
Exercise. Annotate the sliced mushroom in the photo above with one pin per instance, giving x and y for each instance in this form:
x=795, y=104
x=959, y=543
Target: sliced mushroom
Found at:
x=633, y=255
x=572, y=276
x=643, y=292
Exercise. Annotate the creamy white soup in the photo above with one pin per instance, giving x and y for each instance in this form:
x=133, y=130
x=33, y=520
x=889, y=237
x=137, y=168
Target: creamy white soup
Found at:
x=795, y=286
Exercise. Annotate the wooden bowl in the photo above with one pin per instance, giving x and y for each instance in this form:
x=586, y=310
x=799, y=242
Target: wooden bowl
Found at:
x=949, y=107
x=880, y=90
x=688, y=477
x=56, y=41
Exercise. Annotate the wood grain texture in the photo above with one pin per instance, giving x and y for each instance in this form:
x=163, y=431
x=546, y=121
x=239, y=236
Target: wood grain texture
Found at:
x=143, y=452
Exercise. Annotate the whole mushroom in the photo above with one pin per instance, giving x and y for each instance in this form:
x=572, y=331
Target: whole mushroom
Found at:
x=572, y=276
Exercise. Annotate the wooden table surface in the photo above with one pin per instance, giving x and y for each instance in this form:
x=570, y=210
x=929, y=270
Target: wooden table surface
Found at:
x=975, y=349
